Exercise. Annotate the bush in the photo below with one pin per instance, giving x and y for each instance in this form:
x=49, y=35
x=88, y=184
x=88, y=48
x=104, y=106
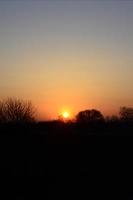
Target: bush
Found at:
x=15, y=110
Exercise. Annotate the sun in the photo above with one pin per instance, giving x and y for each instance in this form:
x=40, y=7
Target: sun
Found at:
x=66, y=115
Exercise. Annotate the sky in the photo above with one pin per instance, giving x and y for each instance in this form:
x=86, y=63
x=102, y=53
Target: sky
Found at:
x=67, y=55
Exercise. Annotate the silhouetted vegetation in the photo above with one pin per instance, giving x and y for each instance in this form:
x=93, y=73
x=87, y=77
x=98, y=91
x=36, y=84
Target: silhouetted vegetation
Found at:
x=72, y=151
x=88, y=116
x=126, y=114
x=15, y=110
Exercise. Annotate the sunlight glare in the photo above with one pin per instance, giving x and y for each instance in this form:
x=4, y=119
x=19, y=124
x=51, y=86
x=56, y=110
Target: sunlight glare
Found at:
x=66, y=115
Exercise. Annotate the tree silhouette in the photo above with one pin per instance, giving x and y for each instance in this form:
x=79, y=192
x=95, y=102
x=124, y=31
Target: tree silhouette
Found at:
x=16, y=110
x=126, y=114
x=89, y=116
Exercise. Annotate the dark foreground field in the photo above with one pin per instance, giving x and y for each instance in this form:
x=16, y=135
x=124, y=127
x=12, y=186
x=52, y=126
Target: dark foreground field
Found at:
x=69, y=153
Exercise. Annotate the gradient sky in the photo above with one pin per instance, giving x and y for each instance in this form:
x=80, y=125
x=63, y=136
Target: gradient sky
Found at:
x=67, y=54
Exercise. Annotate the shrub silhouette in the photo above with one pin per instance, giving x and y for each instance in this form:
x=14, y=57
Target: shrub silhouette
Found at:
x=16, y=110
x=89, y=116
x=126, y=114
x=113, y=118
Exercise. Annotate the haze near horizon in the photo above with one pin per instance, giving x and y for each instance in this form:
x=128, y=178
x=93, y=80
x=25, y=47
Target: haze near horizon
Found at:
x=67, y=55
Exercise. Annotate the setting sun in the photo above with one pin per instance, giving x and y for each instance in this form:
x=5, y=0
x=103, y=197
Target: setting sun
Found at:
x=66, y=115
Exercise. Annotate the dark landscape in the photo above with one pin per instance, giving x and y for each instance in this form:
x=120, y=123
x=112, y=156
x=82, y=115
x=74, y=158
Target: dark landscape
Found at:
x=66, y=99
x=91, y=151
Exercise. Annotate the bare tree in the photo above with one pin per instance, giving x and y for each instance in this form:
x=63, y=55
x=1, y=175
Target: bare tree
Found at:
x=16, y=110
x=2, y=112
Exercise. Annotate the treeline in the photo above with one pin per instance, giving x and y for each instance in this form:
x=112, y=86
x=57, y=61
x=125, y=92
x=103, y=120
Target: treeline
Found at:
x=16, y=110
